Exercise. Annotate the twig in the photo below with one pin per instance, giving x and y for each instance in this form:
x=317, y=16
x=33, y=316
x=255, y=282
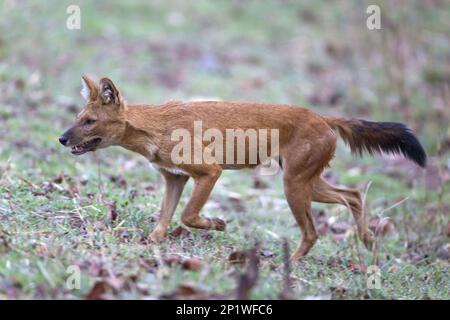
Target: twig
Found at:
x=99, y=178
x=286, y=292
x=248, y=280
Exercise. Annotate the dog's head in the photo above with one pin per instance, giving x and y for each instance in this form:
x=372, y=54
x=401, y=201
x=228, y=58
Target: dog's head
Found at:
x=102, y=121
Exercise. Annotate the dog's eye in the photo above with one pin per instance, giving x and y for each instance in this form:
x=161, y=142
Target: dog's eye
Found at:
x=88, y=122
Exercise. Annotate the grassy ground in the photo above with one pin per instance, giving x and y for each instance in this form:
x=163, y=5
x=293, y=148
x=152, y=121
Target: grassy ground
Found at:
x=57, y=210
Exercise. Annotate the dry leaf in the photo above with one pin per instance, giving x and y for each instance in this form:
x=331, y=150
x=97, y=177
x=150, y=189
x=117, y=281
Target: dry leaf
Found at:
x=340, y=227
x=266, y=253
x=237, y=257
x=187, y=291
x=248, y=280
x=357, y=267
x=102, y=287
x=112, y=210
x=120, y=181
x=444, y=252
x=180, y=232
x=259, y=183
x=380, y=226
x=193, y=264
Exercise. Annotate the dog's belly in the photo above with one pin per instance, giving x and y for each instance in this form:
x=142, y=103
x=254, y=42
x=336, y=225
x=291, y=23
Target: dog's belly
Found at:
x=173, y=170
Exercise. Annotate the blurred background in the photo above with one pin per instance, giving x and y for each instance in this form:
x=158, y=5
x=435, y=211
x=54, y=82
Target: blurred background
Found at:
x=318, y=54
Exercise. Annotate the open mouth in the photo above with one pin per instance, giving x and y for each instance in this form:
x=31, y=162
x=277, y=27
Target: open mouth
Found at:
x=85, y=146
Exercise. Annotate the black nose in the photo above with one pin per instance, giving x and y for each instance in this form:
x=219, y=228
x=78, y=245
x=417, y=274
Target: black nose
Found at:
x=63, y=140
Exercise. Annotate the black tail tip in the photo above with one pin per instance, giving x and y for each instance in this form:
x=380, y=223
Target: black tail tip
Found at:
x=420, y=158
x=410, y=146
x=395, y=138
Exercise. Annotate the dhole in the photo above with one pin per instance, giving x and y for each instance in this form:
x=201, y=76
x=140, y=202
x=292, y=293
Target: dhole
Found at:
x=307, y=143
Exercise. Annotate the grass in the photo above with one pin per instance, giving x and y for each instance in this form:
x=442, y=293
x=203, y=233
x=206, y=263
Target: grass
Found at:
x=55, y=208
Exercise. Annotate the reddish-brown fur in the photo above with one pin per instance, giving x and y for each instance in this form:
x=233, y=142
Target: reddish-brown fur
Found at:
x=307, y=143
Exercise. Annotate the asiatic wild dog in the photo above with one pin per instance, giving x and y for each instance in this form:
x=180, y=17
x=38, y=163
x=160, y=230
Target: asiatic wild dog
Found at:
x=306, y=143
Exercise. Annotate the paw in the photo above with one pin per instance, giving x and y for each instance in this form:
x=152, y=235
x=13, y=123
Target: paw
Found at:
x=368, y=239
x=217, y=224
x=296, y=257
x=156, y=236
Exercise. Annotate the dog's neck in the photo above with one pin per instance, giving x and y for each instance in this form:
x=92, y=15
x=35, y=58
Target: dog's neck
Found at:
x=139, y=136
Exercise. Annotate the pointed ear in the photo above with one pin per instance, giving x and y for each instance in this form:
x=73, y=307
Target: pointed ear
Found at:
x=108, y=92
x=89, y=89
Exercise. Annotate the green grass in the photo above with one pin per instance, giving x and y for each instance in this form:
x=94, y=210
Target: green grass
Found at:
x=281, y=51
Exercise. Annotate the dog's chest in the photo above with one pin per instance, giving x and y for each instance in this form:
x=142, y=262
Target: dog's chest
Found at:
x=151, y=155
x=151, y=152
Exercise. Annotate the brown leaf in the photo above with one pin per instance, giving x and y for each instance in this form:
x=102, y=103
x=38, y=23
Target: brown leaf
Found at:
x=83, y=180
x=48, y=187
x=102, y=287
x=334, y=262
x=259, y=183
x=98, y=291
x=393, y=268
x=338, y=237
x=112, y=210
x=205, y=234
x=248, y=280
x=286, y=292
x=172, y=260
x=150, y=265
x=179, y=232
x=380, y=226
x=133, y=194
x=193, y=264
x=237, y=257
x=340, y=227
x=4, y=242
x=236, y=203
x=338, y=292
x=12, y=287
x=40, y=248
x=187, y=291
x=99, y=226
x=60, y=178
x=118, y=180
x=150, y=188
x=125, y=236
x=357, y=267
x=115, y=283
x=444, y=252
x=72, y=187
x=266, y=253
x=322, y=228
x=95, y=268
x=40, y=194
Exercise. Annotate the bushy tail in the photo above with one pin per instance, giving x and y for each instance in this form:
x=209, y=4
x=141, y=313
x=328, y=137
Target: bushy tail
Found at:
x=378, y=137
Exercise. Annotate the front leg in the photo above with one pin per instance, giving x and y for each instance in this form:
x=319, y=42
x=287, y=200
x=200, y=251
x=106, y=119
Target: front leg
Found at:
x=202, y=189
x=174, y=188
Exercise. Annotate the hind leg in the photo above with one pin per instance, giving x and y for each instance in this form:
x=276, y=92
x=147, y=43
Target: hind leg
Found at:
x=298, y=193
x=326, y=193
x=303, y=165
